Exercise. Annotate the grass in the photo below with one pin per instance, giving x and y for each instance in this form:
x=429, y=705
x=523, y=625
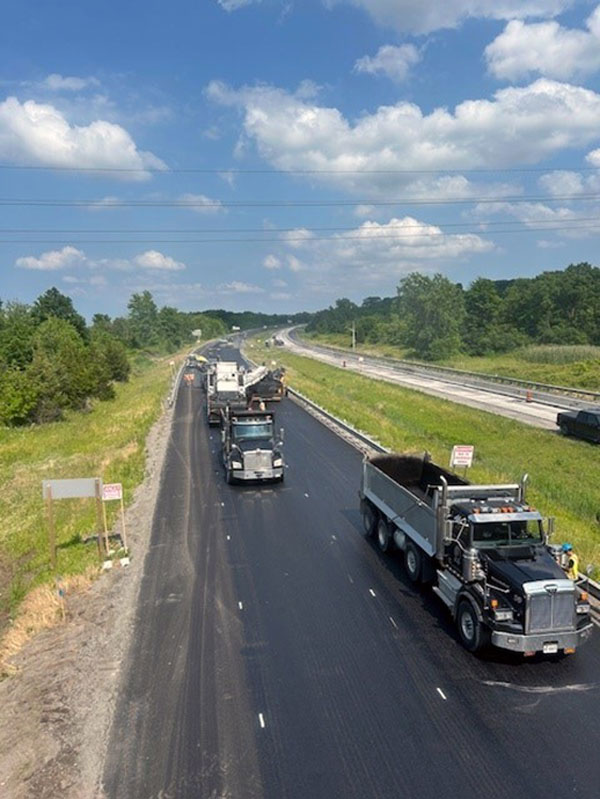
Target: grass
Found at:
x=563, y=365
x=564, y=474
x=107, y=442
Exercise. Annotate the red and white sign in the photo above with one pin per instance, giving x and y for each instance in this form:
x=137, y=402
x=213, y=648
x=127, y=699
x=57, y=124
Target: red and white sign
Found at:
x=462, y=455
x=112, y=491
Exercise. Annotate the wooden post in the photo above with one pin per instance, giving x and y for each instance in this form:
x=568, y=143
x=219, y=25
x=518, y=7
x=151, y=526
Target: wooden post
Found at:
x=123, y=533
x=51, y=530
x=102, y=544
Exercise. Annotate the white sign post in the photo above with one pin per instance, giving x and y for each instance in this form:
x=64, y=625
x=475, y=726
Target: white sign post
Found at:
x=462, y=455
x=112, y=491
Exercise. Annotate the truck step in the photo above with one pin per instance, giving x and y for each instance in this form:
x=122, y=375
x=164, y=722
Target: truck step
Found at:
x=443, y=597
x=447, y=588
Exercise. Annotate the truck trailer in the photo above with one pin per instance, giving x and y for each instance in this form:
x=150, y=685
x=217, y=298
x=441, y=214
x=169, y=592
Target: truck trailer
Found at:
x=224, y=388
x=250, y=451
x=484, y=550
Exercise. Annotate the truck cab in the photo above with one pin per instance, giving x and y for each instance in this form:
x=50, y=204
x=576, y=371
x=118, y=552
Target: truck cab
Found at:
x=250, y=450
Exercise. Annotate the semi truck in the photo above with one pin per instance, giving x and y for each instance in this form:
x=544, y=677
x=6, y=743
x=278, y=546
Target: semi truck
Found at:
x=224, y=388
x=250, y=451
x=484, y=550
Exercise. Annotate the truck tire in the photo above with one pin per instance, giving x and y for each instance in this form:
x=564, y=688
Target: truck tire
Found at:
x=384, y=536
x=564, y=429
x=473, y=635
x=370, y=518
x=413, y=561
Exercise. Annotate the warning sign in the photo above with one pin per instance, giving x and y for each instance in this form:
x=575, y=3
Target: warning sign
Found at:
x=462, y=455
x=112, y=491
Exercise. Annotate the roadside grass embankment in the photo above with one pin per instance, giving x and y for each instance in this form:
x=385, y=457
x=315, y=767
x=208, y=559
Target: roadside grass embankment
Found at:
x=107, y=442
x=564, y=474
x=574, y=366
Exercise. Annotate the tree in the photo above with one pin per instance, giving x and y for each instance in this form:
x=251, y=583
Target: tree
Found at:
x=54, y=304
x=433, y=310
x=143, y=320
x=17, y=329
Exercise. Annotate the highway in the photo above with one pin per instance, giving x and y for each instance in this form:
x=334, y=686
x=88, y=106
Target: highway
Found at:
x=537, y=414
x=276, y=653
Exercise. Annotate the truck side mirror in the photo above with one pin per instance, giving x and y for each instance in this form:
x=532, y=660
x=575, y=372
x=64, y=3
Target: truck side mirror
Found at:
x=550, y=528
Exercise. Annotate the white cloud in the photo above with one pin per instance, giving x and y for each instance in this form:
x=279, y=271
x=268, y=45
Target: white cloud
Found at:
x=272, y=262
x=363, y=211
x=545, y=48
x=561, y=221
x=109, y=201
x=239, y=287
x=376, y=252
x=234, y=5
x=593, y=158
x=394, y=62
x=519, y=125
x=279, y=284
x=201, y=204
x=53, y=260
x=70, y=257
x=429, y=15
x=152, y=259
x=280, y=295
x=59, y=83
x=38, y=133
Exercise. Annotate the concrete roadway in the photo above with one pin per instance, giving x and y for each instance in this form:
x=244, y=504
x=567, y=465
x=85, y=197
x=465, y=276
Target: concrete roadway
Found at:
x=278, y=654
x=534, y=413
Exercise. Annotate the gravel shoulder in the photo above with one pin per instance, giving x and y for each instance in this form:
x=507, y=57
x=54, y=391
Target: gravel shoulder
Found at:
x=57, y=708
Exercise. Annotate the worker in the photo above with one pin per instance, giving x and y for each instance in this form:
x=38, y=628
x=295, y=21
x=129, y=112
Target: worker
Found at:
x=570, y=562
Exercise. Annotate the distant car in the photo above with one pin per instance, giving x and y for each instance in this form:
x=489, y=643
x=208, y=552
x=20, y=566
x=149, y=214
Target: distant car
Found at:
x=582, y=424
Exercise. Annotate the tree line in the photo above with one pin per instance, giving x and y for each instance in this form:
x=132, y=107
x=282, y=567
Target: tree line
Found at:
x=52, y=361
x=435, y=318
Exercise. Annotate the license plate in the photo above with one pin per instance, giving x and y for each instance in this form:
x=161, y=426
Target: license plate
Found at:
x=550, y=649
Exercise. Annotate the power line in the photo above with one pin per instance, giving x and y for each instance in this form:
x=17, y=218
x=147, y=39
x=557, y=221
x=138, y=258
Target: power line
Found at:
x=236, y=171
x=304, y=239
x=23, y=202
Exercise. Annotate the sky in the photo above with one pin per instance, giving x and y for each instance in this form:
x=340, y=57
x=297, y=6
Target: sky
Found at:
x=275, y=155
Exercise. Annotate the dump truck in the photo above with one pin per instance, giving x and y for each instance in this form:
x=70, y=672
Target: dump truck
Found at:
x=271, y=387
x=224, y=388
x=250, y=450
x=484, y=550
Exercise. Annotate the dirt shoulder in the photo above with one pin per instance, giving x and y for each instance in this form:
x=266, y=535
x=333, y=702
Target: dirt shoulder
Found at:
x=57, y=707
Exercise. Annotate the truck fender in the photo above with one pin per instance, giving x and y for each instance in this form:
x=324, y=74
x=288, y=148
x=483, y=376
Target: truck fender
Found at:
x=472, y=601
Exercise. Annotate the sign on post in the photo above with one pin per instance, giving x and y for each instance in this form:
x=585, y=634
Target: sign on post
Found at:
x=462, y=455
x=110, y=492
x=76, y=488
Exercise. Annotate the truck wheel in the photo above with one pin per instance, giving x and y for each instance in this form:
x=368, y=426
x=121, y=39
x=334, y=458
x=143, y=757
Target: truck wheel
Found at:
x=413, y=562
x=384, y=537
x=472, y=633
x=564, y=429
x=369, y=519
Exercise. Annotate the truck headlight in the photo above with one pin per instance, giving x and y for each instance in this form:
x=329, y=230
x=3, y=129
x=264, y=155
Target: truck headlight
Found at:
x=236, y=465
x=277, y=462
x=503, y=614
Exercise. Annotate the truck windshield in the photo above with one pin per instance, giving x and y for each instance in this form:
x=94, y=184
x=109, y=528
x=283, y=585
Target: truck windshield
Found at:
x=244, y=432
x=494, y=534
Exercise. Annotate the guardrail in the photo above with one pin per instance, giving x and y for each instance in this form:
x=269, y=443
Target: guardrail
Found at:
x=545, y=393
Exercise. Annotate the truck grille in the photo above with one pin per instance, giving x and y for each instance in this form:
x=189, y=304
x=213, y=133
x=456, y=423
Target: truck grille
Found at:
x=550, y=612
x=257, y=461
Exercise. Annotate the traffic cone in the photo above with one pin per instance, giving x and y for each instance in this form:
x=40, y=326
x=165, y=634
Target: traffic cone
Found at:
x=529, y=396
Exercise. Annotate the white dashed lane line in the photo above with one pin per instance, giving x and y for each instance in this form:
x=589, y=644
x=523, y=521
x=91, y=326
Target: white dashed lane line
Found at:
x=261, y=720
x=442, y=694
x=372, y=592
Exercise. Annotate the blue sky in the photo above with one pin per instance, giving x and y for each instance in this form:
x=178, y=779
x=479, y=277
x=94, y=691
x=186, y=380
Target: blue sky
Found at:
x=276, y=155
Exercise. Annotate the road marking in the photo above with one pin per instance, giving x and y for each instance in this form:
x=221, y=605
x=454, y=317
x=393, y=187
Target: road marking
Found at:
x=261, y=720
x=229, y=538
x=306, y=495
x=371, y=592
x=442, y=694
x=334, y=538
x=350, y=578
x=393, y=622
x=241, y=605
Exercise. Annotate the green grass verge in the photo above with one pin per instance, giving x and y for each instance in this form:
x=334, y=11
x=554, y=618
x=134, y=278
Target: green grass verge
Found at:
x=564, y=474
x=107, y=442
x=573, y=366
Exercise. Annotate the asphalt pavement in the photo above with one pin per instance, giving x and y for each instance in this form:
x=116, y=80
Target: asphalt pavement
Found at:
x=278, y=654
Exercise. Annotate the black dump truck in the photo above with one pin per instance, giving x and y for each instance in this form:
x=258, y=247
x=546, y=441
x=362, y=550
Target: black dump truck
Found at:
x=250, y=451
x=482, y=547
x=582, y=424
x=270, y=388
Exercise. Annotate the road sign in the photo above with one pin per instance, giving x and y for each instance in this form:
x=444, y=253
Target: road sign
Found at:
x=79, y=488
x=112, y=491
x=462, y=455
x=197, y=333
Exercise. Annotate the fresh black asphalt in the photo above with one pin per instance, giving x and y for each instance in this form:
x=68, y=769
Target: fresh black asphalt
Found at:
x=278, y=654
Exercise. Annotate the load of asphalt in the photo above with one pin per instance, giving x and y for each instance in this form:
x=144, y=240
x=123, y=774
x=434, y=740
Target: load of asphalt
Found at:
x=58, y=704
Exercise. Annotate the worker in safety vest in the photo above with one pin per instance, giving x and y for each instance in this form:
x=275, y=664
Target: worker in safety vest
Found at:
x=570, y=562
